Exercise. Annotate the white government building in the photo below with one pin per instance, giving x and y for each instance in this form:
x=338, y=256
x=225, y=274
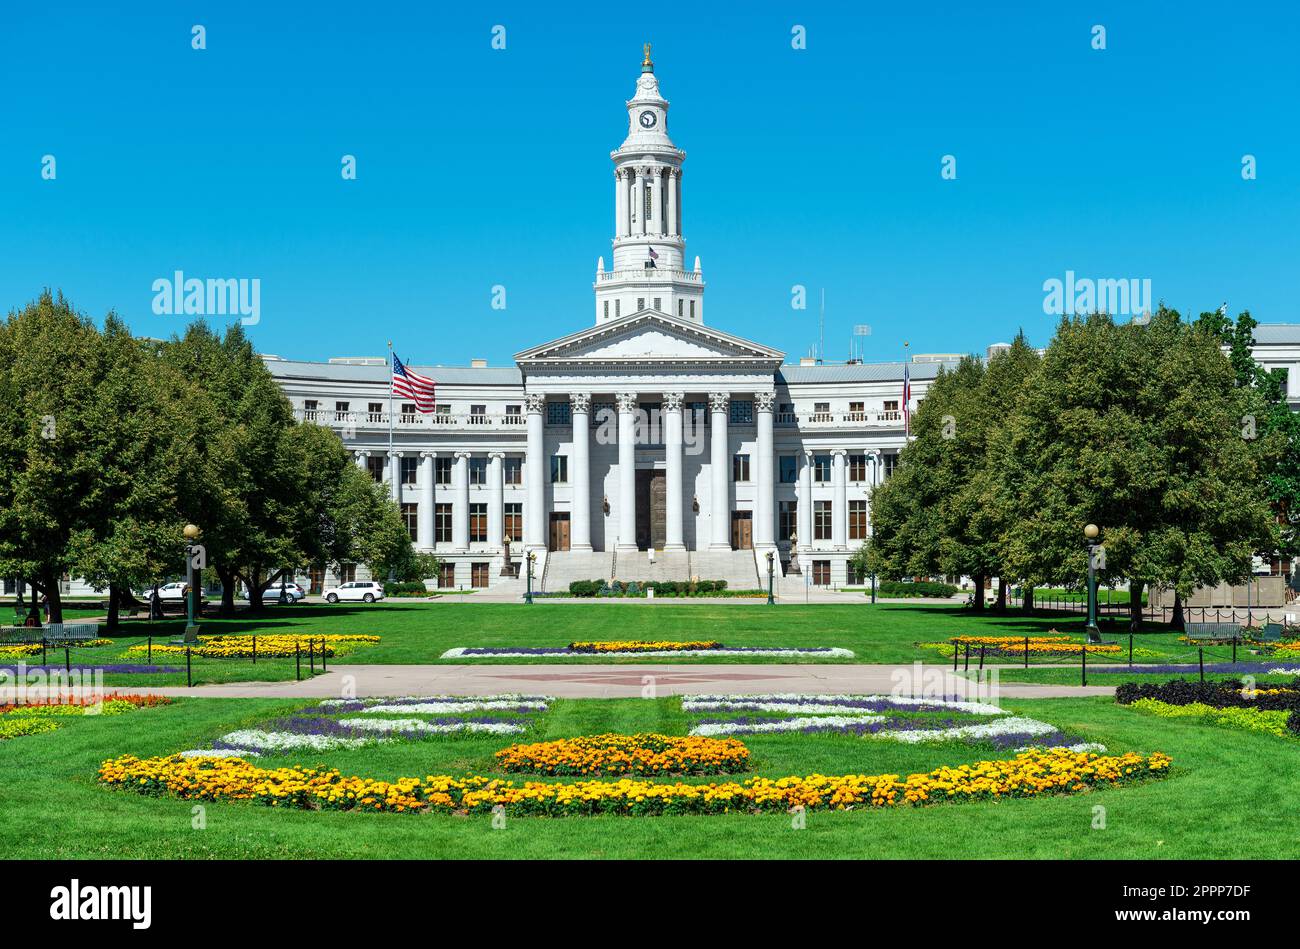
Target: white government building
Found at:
x=647, y=446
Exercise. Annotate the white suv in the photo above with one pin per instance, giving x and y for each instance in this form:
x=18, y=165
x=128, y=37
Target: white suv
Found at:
x=366, y=591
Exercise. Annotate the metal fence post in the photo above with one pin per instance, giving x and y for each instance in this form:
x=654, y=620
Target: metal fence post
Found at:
x=189, y=679
x=149, y=651
x=255, y=649
x=1200, y=655
x=297, y=660
x=1083, y=663
x=966, y=666
x=322, y=654
x=67, y=660
x=311, y=655
x=1026, y=652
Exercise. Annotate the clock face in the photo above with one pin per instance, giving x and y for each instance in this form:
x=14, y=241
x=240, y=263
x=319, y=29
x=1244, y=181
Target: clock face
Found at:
x=647, y=120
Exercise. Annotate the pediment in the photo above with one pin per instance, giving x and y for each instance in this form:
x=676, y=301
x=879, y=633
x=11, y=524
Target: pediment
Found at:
x=649, y=336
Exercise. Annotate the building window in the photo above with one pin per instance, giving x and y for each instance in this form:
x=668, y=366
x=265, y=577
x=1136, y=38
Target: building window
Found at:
x=789, y=469
x=443, y=409
x=821, y=575
x=681, y=305
x=889, y=463
x=447, y=574
x=478, y=523
x=410, y=515
x=822, y=520
x=697, y=413
x=891, y=405
x=821, y=412
x=742, y=412
x=408, y=413
x=340, y=411
x=410, y=470
x=857, y=411
x=478, y=415
x=558, y=413
x=603, y=413
x=559, y=469
x=606, y=309
x=857, y=467
x=514, y=521
x=659, y=303
x=348, y=573
x=442, y=470
x=640, y=304
x=375, y=412
x=821, y=467
x=692, y=309
x=787, y=519
x=442, y=523
x=740, y=468
x=310, y=407
x=375, y=465
x=618, y=308
x=478, y=574
x=857, y=520
x=855, y=576
x=515, y=411
x=512, y=470
x=478, y=471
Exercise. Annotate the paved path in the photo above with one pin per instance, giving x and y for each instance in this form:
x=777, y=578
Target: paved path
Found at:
x=622, y=681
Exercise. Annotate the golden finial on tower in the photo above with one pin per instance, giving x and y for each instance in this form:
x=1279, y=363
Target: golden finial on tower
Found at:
x=647, y=65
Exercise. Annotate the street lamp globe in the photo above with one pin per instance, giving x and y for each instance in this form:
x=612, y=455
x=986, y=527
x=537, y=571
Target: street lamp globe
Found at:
x=191, y=531
x=1091, y=531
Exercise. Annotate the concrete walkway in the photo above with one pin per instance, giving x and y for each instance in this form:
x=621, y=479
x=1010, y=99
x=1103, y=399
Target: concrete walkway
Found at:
x=625, y=681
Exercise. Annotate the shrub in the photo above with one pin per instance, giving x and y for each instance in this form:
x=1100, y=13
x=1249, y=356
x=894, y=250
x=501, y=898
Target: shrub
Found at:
x=406, y=588
x=585, y=587
x=1223, y=694
x=915, y=588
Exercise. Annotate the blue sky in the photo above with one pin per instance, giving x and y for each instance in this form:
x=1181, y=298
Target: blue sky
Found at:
x=479, y=167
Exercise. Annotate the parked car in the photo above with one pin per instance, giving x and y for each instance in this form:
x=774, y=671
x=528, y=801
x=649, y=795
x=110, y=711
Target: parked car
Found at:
x=172, y=591
x=271, y=593
x=366, y=591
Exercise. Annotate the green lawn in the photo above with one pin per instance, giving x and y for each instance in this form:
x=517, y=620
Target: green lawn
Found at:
x=1231, y=794
x=415, y=632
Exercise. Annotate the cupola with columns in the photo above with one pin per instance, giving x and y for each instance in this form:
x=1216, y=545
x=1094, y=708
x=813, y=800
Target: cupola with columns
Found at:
x=648, y=265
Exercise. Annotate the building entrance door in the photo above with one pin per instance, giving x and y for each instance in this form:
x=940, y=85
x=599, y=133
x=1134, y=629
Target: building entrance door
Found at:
x=559, y=531
x=651, y=492
x=742, y=530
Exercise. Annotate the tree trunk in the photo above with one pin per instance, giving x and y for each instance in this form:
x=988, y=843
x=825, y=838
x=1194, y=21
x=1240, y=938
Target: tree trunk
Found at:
x=114, y=602
x=1177, y=621
x=254, y=580
x=1027, y=601
x=50, y=587
x=979, y=592
x=228, y=582
x=1134, y=605
x=1002, y=594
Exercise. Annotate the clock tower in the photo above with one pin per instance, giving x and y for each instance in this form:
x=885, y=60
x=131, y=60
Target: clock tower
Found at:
x=648, y=266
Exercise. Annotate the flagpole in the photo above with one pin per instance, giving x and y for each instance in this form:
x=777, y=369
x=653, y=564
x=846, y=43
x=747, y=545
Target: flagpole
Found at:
x=390, y=407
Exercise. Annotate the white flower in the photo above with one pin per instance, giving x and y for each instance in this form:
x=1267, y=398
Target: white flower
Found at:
x=276, y=741
x=1093, y=746
x=447, y=708
x=821, y=704
x=386, y=699
x=419, y=725
x=222, y=753
x=782, y=725
x=1284, y=672
x=834, y=653
x=1001, y=726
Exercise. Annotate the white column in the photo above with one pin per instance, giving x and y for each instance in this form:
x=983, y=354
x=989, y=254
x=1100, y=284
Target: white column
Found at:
x=805, y=511
x=424, y=526
x=764, y=526
x=620, y=203
x=535, y=474
x=580, y=472
x=672, y=422
x=627, y=407
x=839, y=499
x=638, y=197
x=672, y=227
x=720, y=465
x=656, y=202
x=393, y=474
x=496, y=512
x=460, y=513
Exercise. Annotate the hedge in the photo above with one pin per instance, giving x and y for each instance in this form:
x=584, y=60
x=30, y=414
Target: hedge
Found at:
x=915, y=588
x=406, y=588
x=595, y=588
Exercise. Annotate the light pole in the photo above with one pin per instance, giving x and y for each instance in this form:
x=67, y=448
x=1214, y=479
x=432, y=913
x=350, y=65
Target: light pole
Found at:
x=192, y=600
x=771, y=573
x=1090, y=533
x=528, y=596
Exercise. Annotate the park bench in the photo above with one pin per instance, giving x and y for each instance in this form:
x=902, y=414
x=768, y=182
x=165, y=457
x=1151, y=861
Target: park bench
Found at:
x=50, y=633
x=1212, y=632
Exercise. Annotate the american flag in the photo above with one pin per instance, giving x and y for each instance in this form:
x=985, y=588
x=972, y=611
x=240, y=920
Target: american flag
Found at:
x=419, y=389
x=907, y=401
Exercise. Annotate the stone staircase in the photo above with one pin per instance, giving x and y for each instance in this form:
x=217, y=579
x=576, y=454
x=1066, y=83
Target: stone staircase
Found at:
x=667, y=565
x=738, y=567
x=565, y=566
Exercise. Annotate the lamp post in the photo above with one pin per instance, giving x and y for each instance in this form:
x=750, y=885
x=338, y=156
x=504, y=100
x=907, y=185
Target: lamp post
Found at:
x=771, y=573
x=528, y=596
x=192, y=553
x=1090, y=533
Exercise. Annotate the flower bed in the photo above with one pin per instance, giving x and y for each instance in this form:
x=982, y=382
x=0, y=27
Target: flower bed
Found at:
x=1248, y=719
x=16, y=726
x=819, y=704
x=640, y=645
x=1015, y=646
x=24, y=650
x=523, y=652
x=1030, y=774
x=125, y=668
x=627, y=754
x=274, y=646
x=1226, y=702
x=33, y=718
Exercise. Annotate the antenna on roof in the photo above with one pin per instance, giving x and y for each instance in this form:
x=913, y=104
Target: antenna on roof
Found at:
x=821, y=330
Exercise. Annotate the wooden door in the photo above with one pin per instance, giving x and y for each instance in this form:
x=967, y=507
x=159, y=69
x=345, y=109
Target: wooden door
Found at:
x=559, y=530
x=742, y=530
